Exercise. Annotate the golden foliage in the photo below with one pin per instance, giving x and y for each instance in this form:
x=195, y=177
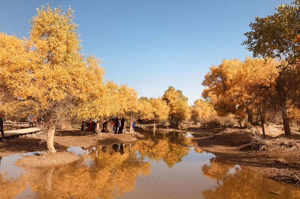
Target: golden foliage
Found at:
x=153, y=109
x=235, y=86
x=145, y=110
x=160, y=109
x=179, y=108
x=202, y=111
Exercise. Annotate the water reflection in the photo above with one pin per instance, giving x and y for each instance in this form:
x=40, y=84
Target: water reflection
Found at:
x=170, y=148
x=216, y=170
x=243, y=183
x=135, y=171
x=112, y=174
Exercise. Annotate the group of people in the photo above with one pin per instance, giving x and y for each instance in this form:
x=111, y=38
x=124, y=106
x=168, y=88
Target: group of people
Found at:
x=32, y=121
x=115, y=125
x=119, y=127
x=90, y=124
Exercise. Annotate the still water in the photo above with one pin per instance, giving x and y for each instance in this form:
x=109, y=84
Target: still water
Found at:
x=164, y=166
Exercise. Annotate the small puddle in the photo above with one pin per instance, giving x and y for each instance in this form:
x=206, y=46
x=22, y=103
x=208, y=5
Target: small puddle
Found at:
x=161, y=166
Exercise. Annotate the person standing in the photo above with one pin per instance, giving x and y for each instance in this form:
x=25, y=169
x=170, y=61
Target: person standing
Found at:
x=133, y=126
x=95, y=125
x=29, y=120
x=82, y=125
x=122, y=125
x=117, y=125
x=104, y=127
x=1, y=125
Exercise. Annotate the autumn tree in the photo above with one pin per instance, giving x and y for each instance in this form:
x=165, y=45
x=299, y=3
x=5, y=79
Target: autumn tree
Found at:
x=179, y=108
x=278, y=36
x=160, y=110
x=128, y=103
x=49, y=70
x=16, y=63
x=61, y=74
x=219, y=83
x=145, y=109
x=202, y=111
x=242, y=87
x=153, y=109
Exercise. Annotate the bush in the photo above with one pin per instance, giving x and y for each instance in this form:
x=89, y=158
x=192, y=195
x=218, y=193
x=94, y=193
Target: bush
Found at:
x=228, y=121
x=247, y=124
x=214, y=124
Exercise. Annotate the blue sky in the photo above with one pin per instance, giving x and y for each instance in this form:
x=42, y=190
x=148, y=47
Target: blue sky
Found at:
x=152, y=44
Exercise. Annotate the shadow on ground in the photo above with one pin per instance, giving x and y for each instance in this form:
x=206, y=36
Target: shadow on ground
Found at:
x=24, y=145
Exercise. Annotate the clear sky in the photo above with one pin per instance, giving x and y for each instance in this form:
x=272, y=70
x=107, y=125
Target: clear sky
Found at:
x=152, y=44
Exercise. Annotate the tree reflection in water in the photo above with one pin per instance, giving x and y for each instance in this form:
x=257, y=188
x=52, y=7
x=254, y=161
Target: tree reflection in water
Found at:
x=112, y=172
x=170, y=148
x=244, y=183
x=10, y=188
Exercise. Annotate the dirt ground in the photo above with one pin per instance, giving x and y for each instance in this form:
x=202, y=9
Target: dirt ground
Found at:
x=276, y=157
x=45, y=160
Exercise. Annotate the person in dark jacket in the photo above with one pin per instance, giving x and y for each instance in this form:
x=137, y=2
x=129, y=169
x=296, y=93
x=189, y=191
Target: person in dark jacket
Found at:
x=117, y=125
x=122, y=128
x=104, y=127
x=82, y=125
x=1, y=124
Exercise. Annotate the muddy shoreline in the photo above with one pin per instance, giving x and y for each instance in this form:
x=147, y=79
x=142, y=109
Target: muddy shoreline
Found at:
x=275, y=158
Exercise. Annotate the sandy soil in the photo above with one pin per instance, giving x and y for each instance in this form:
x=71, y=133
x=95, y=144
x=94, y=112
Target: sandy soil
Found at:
x=275, y=157
x=45, y=160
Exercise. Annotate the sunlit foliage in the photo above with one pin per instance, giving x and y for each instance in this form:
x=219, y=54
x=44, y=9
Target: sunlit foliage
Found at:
x=278, y=36
x=179, y=108
x=202, y=111
x=47, y=73
x=242, y=87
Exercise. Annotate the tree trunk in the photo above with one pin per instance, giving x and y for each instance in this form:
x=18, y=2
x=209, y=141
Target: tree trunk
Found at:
x=48, y=183
x=262, y=121
x=250, y=116
x=50, y=139
x=286, y=119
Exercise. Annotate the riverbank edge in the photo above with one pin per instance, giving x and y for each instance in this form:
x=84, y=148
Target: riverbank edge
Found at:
x=276, y=158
